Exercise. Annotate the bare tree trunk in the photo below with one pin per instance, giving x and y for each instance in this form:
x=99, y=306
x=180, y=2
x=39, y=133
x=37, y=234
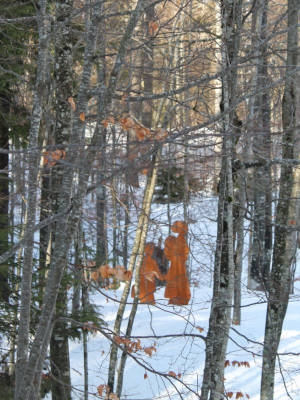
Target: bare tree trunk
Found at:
x=148, y=63
x=85, y=302
x=239, y=247
x=262, y=190
x=33, y=162
x=4, y=194
x=59, y=345
x=287, y=210
x=220, y=315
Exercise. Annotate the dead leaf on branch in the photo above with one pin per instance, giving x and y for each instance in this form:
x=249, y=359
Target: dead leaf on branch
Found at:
x=149, y=350
x=100, y=389
x=234, y=363
x=95, y=275
x=152, y=27
x=119, y=272
x=51, y=157
x=113, y=396
x=72, y=103
x=105, y=271
x=108, y=120
x=130, y=345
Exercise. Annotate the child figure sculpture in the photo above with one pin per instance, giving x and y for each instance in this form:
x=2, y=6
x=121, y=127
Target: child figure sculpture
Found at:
x=149, y=270
x=176, y=250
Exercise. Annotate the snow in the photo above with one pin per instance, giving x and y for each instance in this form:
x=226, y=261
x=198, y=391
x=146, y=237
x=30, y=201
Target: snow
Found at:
x=186, y=354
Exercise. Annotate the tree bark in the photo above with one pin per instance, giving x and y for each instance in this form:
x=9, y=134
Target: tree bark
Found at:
x=220, y=315
x=262, y=190
x=33, y=161
x=59, y=345
x=4, y=193
x=287, y=210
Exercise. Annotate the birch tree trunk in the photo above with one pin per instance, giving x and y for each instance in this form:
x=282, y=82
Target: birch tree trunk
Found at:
x=287, y=210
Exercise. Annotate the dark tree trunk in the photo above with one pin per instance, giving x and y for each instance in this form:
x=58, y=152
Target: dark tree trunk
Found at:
x=287, y=210
x=220, y=314
x=4, y=194
x=262, y=190
x=59, y=347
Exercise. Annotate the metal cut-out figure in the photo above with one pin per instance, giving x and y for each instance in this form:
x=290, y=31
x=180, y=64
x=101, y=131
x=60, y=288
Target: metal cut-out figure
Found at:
x=149, y=270
x=176, y=250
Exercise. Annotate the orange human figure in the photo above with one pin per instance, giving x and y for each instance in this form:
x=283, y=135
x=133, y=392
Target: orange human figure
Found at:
x=176, y=250
x=149, y=270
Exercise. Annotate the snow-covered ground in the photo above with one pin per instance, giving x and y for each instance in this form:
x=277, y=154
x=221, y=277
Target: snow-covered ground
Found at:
x=184, y=355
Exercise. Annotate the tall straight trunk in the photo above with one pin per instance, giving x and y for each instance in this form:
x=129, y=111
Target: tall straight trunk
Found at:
x=148, y=64
x=239, y=247
x=220, y=315
x=85, y=302
x=59, y=352
x=33, y=162
x=4, y=193
x=287, y=210
x=262, y=229
x=101, y=247
x=59, y=345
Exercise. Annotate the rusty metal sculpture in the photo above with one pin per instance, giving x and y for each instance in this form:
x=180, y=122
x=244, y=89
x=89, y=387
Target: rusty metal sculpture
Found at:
x=176, y=250
x=149, y=270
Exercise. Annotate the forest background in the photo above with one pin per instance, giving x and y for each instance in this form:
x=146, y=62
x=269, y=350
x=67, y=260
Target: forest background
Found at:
x=107, y=108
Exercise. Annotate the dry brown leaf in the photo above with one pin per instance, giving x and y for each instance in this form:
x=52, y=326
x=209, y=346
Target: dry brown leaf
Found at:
x=149, y=350
x=95, y=275
x=113, y=396
x=153, y=26
x=105, y=271
x=121, y=273
x=72, y=103
x=105, y=123
x=82, y=117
